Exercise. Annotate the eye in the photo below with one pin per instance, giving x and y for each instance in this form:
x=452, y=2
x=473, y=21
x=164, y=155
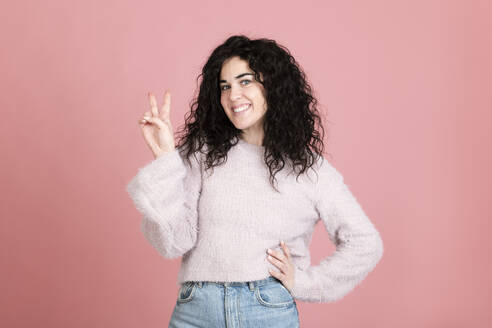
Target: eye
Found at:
x=223, y=88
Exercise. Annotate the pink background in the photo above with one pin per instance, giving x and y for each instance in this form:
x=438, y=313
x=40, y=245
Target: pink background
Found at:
x=406, y=86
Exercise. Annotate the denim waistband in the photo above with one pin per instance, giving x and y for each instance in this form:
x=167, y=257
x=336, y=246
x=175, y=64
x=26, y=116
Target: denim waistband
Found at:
x=252, y=284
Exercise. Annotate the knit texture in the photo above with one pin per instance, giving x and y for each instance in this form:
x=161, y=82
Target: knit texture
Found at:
x=223, y=222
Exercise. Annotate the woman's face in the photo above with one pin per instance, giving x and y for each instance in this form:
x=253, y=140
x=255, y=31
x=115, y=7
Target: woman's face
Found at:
x=238, y=87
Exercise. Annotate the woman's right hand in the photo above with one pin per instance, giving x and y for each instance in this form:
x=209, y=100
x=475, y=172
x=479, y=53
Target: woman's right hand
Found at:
x=156, y=126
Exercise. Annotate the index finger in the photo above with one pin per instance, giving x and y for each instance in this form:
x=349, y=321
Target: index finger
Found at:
x=286, y=250
x=153, y=105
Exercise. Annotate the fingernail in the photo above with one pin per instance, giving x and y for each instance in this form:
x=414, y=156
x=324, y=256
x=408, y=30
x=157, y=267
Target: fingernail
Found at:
x=269, y=250
x=146, y=118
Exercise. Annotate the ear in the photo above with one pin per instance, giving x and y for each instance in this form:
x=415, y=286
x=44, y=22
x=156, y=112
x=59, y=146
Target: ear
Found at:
x=261, y=78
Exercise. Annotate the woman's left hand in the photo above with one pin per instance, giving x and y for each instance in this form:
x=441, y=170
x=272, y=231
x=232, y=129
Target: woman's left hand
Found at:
x=284, y=263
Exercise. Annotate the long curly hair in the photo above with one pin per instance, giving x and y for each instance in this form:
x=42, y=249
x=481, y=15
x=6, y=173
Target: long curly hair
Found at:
x=292, y=121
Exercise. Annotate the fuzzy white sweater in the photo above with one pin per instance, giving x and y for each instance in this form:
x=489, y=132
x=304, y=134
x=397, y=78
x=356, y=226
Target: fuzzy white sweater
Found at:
x=223, y=222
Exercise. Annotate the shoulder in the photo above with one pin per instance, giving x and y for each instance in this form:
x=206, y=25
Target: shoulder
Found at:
x=195, y=159
x=324, y=173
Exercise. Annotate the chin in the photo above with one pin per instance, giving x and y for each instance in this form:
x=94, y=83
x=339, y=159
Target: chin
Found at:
x=241, y=126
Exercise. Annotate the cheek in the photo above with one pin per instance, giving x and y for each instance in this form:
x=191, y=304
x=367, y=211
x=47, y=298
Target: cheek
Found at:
x=261, y=102
x=258, y=99
x=222, y=102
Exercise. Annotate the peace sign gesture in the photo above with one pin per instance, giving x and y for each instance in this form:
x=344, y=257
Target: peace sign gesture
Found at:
x=156, y=126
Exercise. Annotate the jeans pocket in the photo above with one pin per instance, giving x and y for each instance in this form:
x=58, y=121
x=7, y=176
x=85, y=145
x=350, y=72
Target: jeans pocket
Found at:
x=186, y=292
x=273, y=295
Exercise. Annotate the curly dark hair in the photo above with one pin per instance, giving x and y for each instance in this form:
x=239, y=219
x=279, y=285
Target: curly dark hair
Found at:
x=291, y=118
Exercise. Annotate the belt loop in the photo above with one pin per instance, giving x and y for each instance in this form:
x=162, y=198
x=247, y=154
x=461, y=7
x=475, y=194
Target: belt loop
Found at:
x=251, y=286
x=200, y=284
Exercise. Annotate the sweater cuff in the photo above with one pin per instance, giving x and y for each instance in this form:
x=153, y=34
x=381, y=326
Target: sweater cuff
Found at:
x=306, y=287
x=161, y=165
x=147, y=176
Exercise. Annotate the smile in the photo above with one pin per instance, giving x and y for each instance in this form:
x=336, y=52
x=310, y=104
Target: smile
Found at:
x=241, y=109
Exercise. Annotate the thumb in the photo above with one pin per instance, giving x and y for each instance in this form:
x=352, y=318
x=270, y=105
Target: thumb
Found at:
x=155, y=120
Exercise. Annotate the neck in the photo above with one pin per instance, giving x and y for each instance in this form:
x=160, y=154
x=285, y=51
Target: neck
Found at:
x=256, y=140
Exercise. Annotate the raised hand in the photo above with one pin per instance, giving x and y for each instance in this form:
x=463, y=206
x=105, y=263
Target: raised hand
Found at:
x=156, y=126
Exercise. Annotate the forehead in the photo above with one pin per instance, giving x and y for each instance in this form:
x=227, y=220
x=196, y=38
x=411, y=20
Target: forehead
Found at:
x=233, y=66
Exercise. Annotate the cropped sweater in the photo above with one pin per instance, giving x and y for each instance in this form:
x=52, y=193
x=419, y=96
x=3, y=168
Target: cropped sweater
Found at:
x=223, y=222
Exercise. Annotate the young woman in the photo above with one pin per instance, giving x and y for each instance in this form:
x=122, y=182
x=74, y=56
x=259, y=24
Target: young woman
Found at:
x=237, y=200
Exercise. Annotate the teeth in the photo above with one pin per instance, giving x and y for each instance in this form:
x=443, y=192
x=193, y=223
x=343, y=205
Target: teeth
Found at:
x=241, y=108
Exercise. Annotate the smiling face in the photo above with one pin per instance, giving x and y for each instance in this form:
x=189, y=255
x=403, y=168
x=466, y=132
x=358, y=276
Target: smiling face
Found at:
x=243, y=99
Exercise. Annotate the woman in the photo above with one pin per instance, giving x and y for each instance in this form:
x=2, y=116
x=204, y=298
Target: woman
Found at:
x=242, y=209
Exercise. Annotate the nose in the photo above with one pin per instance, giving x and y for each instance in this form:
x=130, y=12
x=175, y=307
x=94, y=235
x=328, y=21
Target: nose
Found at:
x=235, y=93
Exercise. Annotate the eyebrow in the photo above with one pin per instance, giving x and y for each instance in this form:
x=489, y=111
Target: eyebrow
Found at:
x=237, y=77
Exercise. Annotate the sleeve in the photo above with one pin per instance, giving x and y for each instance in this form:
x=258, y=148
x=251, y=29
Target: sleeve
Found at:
x=166, y=192
x=359, y=246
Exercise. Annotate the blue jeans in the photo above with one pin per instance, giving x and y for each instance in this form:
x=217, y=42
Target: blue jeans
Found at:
x=258, y=303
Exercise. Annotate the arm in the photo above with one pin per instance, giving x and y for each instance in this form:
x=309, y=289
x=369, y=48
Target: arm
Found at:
x=358, y=244
x=166, y=192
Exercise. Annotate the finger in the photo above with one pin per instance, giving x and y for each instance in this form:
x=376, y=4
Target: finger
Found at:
x=155, y=120
x=286, y=250
x=153, y=105
x=154, y=147
x=277, y=274
x=277, y=263
x=276, y=254
x=166, y=107
x=143, y=120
